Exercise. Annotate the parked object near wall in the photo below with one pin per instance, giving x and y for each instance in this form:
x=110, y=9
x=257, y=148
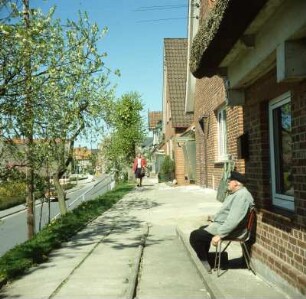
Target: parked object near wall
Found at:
x=167, y=170
x=222, y=189
x=51, y=195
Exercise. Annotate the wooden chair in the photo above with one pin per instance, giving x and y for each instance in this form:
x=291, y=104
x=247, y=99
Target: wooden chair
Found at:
x=249, y=228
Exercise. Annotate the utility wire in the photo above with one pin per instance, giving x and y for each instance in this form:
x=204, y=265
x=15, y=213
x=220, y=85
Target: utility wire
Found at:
x=160, y=7
x=157, y=20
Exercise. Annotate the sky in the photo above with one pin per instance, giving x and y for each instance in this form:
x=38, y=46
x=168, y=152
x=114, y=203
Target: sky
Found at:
x=134, y=42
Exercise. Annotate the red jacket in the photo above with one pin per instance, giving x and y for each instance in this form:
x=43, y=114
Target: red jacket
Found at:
x=143, y=163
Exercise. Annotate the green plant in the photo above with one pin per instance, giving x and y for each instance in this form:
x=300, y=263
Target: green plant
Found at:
x=167, y=170
x=11, y=194
x=35, y=251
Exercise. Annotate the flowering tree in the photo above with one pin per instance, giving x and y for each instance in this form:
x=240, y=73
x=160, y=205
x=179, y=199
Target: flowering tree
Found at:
x=127, y=131
x=53, y=88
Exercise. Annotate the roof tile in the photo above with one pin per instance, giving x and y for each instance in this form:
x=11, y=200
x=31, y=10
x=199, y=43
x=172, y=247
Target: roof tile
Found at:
x=176, y=65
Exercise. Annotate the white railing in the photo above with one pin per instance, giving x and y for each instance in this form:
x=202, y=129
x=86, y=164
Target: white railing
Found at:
x=110, y=184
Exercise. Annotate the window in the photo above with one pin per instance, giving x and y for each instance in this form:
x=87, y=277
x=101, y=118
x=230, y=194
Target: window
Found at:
x=222, y=144
x=281, y=151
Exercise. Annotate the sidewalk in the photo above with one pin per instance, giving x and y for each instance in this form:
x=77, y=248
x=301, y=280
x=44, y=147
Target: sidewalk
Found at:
x=140, y=249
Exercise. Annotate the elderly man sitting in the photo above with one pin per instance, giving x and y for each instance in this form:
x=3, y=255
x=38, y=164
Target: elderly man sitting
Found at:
x=229, y=220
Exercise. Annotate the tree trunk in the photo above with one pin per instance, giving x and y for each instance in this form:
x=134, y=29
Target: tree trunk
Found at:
x=28, y=125
x=30, y=203
x=61, y=195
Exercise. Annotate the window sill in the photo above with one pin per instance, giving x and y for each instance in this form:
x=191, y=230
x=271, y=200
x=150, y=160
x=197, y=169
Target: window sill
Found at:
x=279, y=213
x=222, y=161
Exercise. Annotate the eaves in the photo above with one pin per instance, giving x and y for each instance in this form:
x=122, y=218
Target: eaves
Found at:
x=219, y=32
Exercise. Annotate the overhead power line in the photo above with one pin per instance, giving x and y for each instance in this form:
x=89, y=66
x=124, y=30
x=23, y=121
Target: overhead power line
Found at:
x=158, y=20
x=160, y=7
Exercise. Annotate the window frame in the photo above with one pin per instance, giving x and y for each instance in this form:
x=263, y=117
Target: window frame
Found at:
x=279, y=200
x=222, y=135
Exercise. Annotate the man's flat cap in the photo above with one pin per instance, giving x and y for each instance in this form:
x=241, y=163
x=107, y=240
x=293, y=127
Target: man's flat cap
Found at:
x=237, y=176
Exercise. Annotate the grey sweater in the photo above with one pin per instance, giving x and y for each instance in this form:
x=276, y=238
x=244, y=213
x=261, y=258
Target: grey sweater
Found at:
x=231, y=218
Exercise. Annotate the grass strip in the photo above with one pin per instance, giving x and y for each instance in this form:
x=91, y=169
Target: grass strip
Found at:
x=19, y=259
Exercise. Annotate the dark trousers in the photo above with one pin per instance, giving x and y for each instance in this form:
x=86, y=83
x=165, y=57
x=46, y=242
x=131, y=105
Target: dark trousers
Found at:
x=200, y=241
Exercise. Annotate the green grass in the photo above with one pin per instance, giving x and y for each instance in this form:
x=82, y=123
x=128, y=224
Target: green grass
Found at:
x=35, y=251
x=13, y=194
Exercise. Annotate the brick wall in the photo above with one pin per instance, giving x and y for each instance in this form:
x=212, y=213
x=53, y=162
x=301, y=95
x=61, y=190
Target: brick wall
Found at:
x=177, y=152
x=299, y=153
x=235, y=128
x=280, y=237
x=179, y=166
x=209, y=97
x=281, y=246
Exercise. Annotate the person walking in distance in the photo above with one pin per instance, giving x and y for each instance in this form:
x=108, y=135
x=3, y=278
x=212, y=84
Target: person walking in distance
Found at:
x=139, y=167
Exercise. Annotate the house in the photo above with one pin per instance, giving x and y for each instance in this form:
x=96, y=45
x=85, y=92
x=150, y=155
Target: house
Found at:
x=249, y=58
x=82, y=159
x=155, y=124
x=14, y=155
x=216, y=125
x=155, y=119
x=175, y=120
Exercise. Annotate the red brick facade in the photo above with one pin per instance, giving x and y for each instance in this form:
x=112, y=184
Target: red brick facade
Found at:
x=209, y=97
x=180, y=165
x=175, y=121
x=280, y=239
x=280, y=243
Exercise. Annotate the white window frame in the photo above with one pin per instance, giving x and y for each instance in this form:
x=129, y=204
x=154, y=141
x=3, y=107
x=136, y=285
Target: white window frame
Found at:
x=222, y=135
x=279, y=200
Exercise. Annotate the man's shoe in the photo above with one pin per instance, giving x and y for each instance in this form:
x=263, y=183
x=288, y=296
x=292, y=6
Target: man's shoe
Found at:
x=206, y=266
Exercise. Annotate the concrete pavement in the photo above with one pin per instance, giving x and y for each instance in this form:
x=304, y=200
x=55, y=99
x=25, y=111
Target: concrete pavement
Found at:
x=140, y=249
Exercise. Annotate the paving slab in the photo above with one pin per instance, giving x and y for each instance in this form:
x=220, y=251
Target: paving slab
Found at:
x=140, y=249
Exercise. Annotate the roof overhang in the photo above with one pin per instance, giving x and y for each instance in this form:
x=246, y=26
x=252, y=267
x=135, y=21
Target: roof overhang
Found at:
x=269, y=35
x=219, y=32
x=188, y=135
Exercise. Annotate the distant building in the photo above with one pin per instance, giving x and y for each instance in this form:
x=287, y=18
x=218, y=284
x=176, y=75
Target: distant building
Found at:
x=175, y=120
x=155, y=126
x=13, y=155
x=82, y=158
